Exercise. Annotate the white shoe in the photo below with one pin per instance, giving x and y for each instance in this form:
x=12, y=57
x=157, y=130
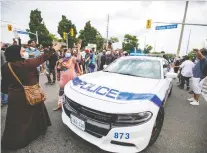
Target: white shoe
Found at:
x=191, y=99
x=195, y=103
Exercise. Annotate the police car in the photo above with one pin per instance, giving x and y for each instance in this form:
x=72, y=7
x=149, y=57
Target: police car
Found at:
x=119, y=109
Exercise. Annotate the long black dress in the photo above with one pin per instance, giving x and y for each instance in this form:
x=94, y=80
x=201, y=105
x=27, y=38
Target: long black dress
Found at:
x=24, y=122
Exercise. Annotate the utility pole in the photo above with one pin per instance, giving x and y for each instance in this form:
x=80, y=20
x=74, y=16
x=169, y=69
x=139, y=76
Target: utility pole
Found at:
x=182, y=29
x=107, y=32
x=37, y=37
x=188, y=42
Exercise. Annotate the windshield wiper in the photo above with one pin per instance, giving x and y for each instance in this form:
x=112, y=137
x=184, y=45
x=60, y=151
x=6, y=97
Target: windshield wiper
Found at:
x=108, y=71
x=130, y=74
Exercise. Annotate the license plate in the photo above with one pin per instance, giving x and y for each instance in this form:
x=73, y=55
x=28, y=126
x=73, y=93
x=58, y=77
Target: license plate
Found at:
x=77, y=122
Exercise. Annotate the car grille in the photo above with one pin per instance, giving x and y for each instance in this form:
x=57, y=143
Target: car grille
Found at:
x=97, y=123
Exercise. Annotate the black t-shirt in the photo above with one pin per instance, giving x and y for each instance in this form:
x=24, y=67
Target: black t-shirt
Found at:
x=52, y=60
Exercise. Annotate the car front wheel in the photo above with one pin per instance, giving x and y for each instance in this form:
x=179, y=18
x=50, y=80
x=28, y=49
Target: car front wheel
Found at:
x=157, y=126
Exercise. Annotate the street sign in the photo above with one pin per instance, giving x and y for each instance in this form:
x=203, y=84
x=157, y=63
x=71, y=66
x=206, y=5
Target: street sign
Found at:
x=22, y=32
x=172, y=26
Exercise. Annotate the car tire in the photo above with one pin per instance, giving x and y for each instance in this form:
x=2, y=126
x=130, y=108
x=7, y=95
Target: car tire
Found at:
x=170, y=92
x=157, y=127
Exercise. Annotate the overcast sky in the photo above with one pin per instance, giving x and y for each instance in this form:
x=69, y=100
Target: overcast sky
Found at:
x=125, y=17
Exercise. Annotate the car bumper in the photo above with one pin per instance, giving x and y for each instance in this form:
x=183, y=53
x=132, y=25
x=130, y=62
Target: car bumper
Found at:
x=139, y=137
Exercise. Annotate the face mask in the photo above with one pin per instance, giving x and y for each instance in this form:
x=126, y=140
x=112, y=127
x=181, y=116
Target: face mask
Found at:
x=67, y=54
x=25, y=55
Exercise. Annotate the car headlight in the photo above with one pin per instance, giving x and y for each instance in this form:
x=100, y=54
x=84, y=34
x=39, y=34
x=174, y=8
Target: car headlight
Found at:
x=133, y=118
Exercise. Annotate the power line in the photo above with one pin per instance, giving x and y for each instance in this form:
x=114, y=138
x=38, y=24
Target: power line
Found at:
x=195, y=24
x=12, y=23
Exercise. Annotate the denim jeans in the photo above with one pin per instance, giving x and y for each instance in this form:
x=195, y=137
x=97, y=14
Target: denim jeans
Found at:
x=91, y=70
x=4, y=98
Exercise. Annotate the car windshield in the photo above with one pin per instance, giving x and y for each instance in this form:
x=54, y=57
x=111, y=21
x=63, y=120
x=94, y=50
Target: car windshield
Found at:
x=136, y=67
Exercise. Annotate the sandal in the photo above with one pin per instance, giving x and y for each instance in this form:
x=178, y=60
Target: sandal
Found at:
x=59, y=104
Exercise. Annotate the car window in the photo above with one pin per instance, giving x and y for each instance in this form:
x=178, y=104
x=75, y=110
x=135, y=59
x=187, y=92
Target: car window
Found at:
x=136, y=67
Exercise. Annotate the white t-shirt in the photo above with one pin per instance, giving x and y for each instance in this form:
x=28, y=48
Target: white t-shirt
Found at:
x=187, y=68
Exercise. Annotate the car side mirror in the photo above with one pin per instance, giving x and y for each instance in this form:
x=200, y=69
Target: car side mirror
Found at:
x=165, y=66
x=105, y=66
x=171, y=75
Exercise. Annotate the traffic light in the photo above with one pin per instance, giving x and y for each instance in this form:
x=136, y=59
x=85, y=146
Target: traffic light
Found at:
x=149, y=24
x=72, y=32
x=64, y=35
x=9, y=27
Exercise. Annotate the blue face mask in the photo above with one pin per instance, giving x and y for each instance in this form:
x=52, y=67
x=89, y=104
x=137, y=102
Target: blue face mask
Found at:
x=67, y=54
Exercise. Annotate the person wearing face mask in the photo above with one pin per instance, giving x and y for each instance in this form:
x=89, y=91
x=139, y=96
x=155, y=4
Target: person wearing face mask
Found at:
x=24, y=122
x=66, y=72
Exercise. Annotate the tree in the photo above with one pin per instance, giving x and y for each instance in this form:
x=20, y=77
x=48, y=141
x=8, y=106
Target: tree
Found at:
x=114, y=39
x=129, y=42
x=36, y=24
x=192, y=55
x=64, y=26
x=90, y=35
x=53, y=37
x=147, y=49
x=99, y=41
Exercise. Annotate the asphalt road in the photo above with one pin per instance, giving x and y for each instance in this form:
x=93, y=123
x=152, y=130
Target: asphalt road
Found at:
x=184, y=129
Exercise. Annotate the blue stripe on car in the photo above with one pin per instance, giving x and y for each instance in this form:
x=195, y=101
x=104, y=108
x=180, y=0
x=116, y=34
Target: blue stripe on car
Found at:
x=116, y=94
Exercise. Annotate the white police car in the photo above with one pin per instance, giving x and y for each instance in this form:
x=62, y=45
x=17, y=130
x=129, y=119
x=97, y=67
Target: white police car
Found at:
x=119, y=109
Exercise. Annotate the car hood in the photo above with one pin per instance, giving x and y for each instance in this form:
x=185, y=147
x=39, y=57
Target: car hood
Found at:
x=114, y=87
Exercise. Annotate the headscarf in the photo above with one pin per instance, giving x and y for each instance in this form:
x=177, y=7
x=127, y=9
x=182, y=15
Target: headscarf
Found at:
x=12, y=53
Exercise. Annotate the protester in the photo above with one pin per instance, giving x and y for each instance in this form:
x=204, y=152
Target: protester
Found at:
x=109, y=58
x=186, y=72
x=91, y=63
x=24, y=122
x=66, y=72
x=51, y=68
x=116, y=55
x=14, y=41
x=79, y=59
x=4, y=97
x=199, y=74
x=177, y=63
x=103, y=60
x=87, y=62
x=99, y=60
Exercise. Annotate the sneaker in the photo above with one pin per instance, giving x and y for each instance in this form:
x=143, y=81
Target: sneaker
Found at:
x=191, y=99
x=191, y=92
x=196, y=103
x=188, y=88
x=181, y=87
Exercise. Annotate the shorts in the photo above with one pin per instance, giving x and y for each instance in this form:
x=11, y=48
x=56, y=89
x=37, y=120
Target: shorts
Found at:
x=197, y=85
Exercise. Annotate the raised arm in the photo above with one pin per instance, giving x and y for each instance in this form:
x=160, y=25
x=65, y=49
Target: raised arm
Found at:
x=35, y=62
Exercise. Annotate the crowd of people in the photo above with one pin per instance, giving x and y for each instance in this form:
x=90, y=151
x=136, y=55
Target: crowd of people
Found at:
x=29, y=61
x=194, y=69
